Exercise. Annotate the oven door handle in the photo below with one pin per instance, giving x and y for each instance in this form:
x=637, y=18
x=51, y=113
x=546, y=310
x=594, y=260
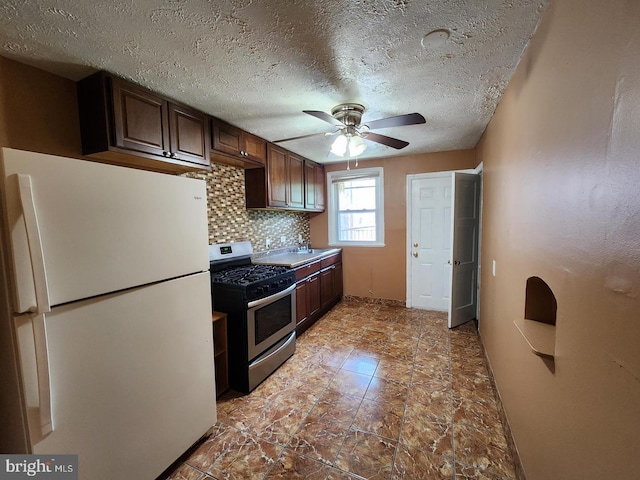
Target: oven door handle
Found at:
x=287, y=342
x=272, y=298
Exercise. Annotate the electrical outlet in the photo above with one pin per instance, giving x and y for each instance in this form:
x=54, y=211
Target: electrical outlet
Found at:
x=268, y=243
x=283, y=239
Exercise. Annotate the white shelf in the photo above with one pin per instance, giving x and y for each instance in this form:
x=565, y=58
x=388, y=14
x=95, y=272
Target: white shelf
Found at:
x=541, y=337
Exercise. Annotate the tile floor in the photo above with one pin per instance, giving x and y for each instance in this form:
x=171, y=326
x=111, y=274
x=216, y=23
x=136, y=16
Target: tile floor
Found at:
x=373, y=392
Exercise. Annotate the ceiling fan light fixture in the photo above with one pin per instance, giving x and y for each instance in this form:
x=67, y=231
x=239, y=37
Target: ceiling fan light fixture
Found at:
x=348, y=143
x=356, y=146
x=339, y=146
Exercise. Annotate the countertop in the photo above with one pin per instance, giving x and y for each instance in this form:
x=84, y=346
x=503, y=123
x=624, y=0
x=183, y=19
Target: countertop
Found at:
x=295, y=259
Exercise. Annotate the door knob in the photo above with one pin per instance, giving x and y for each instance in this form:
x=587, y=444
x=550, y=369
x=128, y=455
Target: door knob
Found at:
x=415, y=254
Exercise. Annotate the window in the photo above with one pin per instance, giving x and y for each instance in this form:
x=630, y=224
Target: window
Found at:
x=356, y=207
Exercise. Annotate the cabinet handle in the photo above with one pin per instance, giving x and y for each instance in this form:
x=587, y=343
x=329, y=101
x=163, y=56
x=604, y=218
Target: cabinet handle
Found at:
x=415, y=245
x=173, y=155
x=415, y=254
x=166, y=154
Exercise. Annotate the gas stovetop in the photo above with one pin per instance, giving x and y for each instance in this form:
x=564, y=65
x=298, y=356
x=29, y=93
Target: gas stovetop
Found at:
x=245, y=275
x=251, y=282
x=232, y=271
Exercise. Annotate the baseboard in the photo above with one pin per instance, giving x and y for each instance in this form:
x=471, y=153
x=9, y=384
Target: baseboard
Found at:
x=374, y=301
x=513, y=449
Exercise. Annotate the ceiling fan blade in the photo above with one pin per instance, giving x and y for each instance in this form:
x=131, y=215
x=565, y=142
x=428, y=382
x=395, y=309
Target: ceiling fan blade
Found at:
x=324, y=116
x=306, y=136
x=399, y=121
x=384, y=140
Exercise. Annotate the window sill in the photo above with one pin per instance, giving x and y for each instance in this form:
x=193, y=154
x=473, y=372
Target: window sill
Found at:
x=356, y=244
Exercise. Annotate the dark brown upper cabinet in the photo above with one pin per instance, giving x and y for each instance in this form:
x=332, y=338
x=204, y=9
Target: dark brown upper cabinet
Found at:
x=314, y=186
x=280, y=184
x=126, y=124
x=234, y=146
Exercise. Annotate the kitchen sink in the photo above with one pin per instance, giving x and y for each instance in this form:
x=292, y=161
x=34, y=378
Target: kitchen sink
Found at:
x=295, y=258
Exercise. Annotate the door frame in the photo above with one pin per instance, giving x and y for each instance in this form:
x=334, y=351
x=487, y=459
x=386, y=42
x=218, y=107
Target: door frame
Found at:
x=419, y=176
x=409, y=226
x=479, y=171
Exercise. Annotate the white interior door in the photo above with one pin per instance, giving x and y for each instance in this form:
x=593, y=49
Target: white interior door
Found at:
x=429, y=238
x=466, y=195
x=443, y=212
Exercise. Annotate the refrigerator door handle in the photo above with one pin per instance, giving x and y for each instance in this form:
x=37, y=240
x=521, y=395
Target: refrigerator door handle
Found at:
x=35, y=244
x=42, y=368
x=42, y=306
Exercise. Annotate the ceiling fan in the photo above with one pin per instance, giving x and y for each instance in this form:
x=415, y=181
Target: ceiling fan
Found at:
x=346, y=118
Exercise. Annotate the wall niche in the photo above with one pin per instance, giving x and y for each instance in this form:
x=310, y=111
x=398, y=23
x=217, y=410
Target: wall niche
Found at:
x=540, y=303
x=539, y=322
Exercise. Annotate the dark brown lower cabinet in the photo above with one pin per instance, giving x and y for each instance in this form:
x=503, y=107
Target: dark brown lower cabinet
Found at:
x=318, y=289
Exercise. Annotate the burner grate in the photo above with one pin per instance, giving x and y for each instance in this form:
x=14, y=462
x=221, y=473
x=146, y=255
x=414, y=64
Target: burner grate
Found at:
x=247, y=274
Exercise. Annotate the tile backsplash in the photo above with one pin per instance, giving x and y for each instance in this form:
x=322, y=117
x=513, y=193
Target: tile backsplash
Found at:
x=230, y=221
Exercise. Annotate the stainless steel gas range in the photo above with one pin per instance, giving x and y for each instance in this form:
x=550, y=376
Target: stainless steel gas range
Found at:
x=260, y=304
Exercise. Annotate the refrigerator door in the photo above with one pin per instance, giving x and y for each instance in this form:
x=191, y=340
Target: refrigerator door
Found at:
x=131, y=378
x=80, y=229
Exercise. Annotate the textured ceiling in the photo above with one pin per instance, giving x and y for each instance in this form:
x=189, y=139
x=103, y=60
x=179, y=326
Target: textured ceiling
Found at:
x=257, y=64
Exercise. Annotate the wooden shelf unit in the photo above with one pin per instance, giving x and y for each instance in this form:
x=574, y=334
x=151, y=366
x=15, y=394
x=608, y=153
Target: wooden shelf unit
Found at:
x=221, y=356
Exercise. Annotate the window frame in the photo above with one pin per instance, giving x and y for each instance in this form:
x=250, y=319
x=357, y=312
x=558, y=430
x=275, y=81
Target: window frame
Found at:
x=333, y=179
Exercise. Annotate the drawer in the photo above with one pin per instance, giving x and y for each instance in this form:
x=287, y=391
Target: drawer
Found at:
x=332, y=260
x=304, y=271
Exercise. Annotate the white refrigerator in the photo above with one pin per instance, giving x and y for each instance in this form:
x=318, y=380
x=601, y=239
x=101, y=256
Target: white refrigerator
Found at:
x=106, y=347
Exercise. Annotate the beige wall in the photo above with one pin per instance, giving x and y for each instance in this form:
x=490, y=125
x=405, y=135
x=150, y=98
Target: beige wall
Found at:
x=562, y=201
x=38, y=111
x=380, y=272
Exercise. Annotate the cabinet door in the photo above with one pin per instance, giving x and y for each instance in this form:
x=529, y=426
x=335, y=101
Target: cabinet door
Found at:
x=314, y=186
x=140, y=119
x=327, y=286
x=254, y=148
x=235, y=141
x=338, y=285
x=189, y=131
x=226, y=138
x=296, y=182
x=319, y=187
x=302, y=302
x=313, y=294
x=277, y=177
x=309, y=185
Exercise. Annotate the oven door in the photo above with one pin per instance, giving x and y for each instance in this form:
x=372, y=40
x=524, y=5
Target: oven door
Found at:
x=270, y=319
